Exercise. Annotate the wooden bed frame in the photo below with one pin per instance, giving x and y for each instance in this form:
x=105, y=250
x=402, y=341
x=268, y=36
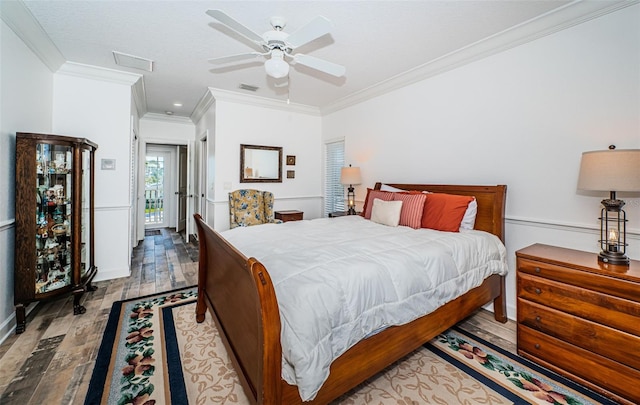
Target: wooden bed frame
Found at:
x=242, y=301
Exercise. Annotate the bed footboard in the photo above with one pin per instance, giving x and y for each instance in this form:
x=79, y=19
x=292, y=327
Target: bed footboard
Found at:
x=239, y=293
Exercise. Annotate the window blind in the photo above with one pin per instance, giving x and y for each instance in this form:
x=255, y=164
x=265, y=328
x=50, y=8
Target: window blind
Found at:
x=333, y=190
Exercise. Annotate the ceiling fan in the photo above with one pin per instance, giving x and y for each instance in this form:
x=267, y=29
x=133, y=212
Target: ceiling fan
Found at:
x=278, y=47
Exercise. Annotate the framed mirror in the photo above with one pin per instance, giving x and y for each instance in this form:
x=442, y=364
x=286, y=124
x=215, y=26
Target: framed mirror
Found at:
x=260, y=164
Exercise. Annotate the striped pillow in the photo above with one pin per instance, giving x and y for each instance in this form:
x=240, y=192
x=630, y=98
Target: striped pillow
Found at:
x=368, y=202
x=412, y=208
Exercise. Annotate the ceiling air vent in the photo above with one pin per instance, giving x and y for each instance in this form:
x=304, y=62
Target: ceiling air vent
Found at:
x=135, y=62
x=248, y=87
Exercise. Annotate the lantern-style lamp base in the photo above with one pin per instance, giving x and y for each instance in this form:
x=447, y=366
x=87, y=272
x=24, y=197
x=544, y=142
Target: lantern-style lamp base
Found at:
x=613, y=258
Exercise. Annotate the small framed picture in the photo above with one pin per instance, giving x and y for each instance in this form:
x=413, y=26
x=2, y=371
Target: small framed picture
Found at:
x=291, y=174
x=291, y=160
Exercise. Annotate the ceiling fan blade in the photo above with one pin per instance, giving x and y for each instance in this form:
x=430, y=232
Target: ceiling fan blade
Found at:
x=235, y=58
x=320, y=64
x=236, y=26
x=316, y=28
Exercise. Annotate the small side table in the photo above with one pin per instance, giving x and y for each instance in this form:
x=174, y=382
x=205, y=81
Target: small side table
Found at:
x=289, y=215
x=339, y=214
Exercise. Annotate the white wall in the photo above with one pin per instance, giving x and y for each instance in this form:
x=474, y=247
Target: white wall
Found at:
x=26, y=87
x=166, y=130
x=254, y=121
x=100, y=111
x=522, y=117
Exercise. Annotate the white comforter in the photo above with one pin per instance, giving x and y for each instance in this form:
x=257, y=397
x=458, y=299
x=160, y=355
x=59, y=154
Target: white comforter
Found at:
x=339, y=280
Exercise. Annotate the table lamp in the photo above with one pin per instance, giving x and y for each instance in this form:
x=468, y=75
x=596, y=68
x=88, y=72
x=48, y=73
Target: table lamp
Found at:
x=611, y=170
x=351, y=175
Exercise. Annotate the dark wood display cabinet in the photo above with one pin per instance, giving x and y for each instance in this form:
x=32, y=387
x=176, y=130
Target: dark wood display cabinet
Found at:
x=54, y=246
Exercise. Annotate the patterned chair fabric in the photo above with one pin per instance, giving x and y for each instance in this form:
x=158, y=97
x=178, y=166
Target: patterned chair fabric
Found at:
x=249, y=207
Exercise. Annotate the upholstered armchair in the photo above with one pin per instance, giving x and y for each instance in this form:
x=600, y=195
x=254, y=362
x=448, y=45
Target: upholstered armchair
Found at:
x=251, y=207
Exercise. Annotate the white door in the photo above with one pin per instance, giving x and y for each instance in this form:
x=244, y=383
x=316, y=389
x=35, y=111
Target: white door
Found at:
x=181, y=192
x=190, y=225
x=202, y=178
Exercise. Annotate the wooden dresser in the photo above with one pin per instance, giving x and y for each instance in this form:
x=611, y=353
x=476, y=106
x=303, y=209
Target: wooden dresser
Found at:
x=581, y=318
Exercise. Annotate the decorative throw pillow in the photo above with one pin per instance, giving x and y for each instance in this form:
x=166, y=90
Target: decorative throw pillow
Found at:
x=368, y=202
x=386, y=212
x=469, y=218
x=444, y=212
x=412, y=208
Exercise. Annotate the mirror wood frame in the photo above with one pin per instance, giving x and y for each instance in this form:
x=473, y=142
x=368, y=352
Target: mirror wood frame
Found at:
x=246, y=173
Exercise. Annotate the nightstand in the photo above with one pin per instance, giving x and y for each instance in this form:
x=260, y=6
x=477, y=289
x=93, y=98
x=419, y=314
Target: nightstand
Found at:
x=289, y=215
x=339, y=214
x=579, y=317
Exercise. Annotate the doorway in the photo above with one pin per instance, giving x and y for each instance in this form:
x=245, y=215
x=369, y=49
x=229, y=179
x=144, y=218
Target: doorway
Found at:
x=158, y=186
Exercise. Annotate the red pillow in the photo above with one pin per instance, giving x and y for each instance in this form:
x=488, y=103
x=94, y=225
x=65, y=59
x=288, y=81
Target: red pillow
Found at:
x=412, y=208
x=368, y=201
x=444, y=212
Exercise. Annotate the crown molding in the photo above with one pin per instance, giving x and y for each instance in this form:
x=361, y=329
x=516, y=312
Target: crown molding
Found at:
x=100, y=73
x=571, y=14
x=18, y=17
x=167, y=118
x=139, y=96
x=205, y=102
x=134, y=80
x=232, y=96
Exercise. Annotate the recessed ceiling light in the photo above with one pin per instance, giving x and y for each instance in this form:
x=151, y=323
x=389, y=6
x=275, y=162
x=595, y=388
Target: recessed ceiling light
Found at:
x=177, y=104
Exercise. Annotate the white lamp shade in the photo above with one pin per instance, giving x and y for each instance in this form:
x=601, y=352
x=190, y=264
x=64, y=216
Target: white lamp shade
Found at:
x=350, y=175
x=276, y=67
x=610, y=170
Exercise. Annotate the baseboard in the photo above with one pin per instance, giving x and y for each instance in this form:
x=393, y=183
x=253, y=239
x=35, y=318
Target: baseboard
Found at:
x=8, y=327
x=111, y=274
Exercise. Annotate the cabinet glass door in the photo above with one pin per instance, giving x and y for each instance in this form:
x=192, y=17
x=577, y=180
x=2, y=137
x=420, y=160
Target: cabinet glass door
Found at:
x=53, y=216
x=85, y=254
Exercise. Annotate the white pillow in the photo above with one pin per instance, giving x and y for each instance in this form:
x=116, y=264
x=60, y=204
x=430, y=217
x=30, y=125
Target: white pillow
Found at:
x=385, y=187
x=386, y=212
x=469, y=218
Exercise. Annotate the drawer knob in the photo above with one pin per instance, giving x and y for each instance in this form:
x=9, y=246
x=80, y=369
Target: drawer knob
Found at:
x=538, y=319
x=538, y=291
x=537, y=270
x=537, y=345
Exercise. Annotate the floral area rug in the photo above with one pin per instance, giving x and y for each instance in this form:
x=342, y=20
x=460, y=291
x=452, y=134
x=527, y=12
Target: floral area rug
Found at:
x=154, y=352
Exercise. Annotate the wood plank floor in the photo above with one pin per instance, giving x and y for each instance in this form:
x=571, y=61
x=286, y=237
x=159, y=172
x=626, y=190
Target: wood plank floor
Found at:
x=52, y=361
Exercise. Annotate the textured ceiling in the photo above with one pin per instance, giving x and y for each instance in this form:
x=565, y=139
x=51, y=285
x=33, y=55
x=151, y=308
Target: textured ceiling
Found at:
x=374, y=40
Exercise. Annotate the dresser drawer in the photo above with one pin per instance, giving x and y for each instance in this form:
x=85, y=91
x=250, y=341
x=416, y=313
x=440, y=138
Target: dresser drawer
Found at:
x=591, y=336
x=591, y=280
x=616, y=312
x=572, y=361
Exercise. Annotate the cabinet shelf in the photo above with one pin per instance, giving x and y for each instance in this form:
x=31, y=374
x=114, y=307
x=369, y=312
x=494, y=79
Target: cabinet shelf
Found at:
x=54, y=220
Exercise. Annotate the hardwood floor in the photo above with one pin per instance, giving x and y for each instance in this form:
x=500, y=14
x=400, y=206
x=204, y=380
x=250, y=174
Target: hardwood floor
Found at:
x=52, y=361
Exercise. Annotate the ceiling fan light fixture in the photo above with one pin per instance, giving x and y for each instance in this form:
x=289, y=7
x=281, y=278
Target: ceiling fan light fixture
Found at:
x=276, y=67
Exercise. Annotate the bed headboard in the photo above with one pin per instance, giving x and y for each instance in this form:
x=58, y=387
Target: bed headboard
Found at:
x=491, y=202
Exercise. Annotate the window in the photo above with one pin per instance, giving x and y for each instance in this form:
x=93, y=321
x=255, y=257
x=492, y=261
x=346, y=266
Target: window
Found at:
x=333, y=190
